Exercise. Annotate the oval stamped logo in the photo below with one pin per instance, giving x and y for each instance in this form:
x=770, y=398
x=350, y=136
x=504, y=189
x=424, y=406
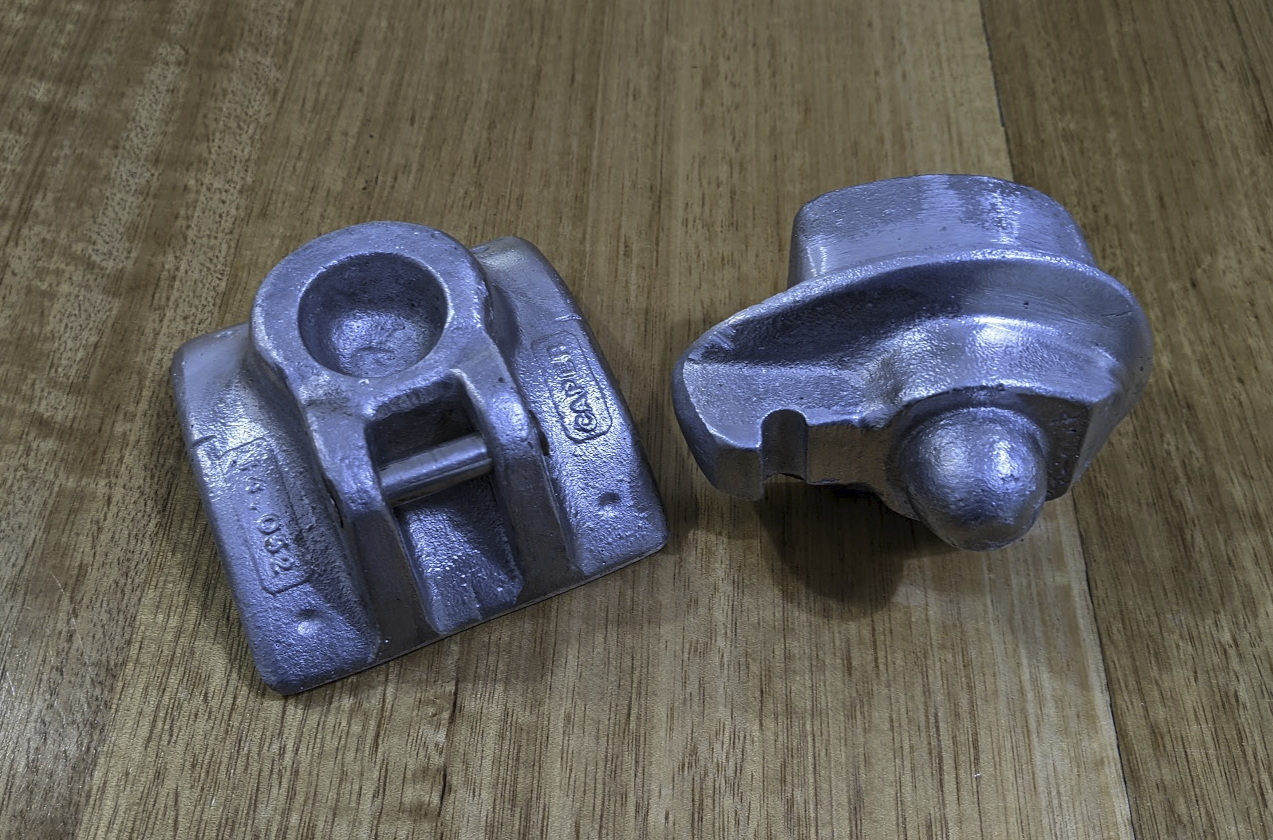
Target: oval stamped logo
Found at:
x=581, y=404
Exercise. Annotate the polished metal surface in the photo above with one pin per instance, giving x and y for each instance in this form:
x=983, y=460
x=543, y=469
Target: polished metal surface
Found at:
x=946, y=342
x=408, y=438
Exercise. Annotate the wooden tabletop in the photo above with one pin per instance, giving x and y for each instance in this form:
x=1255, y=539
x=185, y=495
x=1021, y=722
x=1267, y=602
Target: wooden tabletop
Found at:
x=811, y=666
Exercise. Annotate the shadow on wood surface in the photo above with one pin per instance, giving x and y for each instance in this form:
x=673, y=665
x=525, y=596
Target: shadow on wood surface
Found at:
x=844, y=547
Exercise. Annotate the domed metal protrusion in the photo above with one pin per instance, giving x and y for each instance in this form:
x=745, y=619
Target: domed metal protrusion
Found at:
x=946, y=341
x=977, y=477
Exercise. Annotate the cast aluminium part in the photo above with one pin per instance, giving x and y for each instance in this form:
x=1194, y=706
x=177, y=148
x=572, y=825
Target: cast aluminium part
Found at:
x=945, y=342
x=408, y=438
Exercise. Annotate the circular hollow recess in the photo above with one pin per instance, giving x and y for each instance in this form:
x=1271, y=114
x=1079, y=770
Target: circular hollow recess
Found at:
x=372, y=315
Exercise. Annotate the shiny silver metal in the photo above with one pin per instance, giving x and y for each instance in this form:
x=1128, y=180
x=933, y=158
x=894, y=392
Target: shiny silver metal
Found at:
x=408, y=438
x=946, y=342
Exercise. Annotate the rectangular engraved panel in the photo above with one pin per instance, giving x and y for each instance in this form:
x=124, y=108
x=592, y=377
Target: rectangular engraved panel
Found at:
x=265, y=513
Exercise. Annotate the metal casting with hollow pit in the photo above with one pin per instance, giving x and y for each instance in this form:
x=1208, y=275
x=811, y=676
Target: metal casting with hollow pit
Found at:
x=408, y=438
x=946, y=342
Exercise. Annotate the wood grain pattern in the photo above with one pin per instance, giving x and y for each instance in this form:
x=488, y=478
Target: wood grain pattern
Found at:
x=808, y=666
x=1165, y=154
